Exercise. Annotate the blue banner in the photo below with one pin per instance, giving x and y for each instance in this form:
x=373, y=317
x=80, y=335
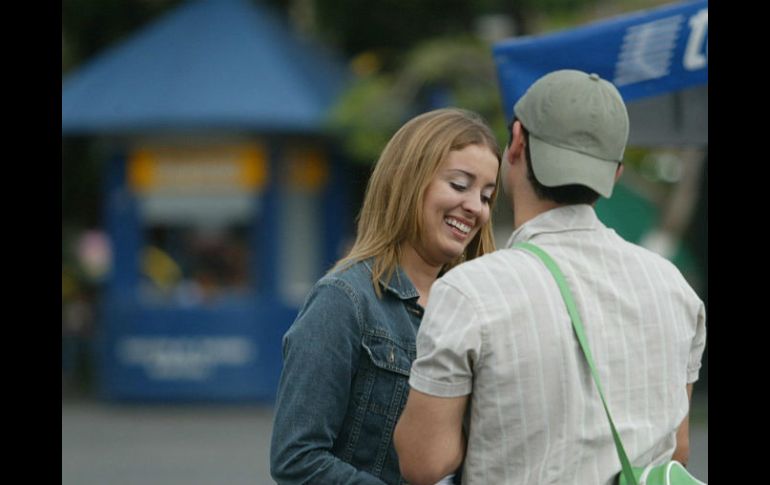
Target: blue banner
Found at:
x=644, y=54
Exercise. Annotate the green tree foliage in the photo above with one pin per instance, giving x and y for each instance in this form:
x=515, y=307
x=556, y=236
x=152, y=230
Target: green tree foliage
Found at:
x=390, y=26
x=81, y=184
x=413, y=56
x=453, y=71
x=88, y=26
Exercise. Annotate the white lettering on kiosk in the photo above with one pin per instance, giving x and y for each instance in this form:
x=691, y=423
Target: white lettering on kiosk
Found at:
x=697, y=42
x=185, y=358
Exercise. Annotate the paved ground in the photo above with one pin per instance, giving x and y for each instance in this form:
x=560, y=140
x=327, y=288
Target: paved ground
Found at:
x=109, y=444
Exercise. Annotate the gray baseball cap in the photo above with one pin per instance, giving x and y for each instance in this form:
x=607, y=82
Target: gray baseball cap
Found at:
x=578, y=129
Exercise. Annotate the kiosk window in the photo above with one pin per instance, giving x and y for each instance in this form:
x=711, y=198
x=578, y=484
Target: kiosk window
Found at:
x=195, y=265
x=198, y=205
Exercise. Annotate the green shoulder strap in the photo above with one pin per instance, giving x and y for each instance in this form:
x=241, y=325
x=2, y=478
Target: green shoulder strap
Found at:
x=577, y=324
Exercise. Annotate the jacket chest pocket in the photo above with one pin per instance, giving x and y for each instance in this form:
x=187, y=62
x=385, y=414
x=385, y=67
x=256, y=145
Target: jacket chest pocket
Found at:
x=389, y=373
x=380, y=392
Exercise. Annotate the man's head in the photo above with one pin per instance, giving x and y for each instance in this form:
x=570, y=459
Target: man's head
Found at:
x=578, y=129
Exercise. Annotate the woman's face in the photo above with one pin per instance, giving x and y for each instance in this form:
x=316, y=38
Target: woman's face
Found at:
x=456, y=203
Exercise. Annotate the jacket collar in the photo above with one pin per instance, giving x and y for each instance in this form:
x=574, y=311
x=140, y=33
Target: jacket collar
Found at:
x=399, y=283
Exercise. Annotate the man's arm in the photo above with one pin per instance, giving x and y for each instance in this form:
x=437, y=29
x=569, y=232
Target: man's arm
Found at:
x=682, y=451
x=429, y=437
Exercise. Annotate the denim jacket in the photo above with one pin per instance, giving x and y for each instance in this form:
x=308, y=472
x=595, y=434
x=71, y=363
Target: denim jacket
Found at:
x=346, y=364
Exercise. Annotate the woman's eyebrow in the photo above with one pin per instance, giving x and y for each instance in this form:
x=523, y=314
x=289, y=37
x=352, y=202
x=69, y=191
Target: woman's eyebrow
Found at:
x=469, y=174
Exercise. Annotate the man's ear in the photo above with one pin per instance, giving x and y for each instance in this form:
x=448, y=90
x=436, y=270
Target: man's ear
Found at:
x=517, y=141
x=618, y=172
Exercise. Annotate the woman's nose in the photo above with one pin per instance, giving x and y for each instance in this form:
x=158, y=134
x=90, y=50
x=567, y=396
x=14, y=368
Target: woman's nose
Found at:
x=472, y=203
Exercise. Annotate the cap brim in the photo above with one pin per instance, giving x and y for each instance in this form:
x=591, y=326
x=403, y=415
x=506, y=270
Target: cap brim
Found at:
x=555, y=166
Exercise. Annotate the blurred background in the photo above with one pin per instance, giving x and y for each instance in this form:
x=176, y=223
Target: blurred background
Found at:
x=214, y=157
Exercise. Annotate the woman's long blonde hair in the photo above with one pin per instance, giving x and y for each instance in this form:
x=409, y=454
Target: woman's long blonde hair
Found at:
x=392, y=210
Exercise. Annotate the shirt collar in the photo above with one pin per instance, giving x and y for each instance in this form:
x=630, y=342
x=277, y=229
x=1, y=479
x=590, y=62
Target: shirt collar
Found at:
x=580, y=217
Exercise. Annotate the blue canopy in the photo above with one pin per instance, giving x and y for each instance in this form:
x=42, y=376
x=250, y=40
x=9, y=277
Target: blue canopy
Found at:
x=657, y=58
x=210, y=64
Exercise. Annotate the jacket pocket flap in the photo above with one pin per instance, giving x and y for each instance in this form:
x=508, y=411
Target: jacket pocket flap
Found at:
x=387, y=354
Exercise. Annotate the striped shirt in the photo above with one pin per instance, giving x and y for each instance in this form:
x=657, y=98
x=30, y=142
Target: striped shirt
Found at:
x=497, y=328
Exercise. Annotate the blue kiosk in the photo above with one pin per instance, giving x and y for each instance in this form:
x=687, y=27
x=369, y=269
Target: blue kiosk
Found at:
x=224, y=201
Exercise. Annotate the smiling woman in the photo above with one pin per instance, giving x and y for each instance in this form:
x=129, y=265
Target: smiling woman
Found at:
x=456, y=206
x=399, y=184
x=426, y=209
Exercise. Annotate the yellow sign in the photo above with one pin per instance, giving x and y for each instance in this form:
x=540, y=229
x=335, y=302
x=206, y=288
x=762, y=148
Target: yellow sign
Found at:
x=198, y=169
x=307, y=169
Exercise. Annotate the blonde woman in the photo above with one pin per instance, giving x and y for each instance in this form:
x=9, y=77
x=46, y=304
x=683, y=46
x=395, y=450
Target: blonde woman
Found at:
x=347, y=355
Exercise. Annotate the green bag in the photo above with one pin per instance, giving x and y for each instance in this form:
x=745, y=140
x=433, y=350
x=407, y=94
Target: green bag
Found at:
x=671, y=473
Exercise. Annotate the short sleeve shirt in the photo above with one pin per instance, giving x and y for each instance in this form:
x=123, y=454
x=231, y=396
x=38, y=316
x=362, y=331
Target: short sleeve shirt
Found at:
x=497, y=328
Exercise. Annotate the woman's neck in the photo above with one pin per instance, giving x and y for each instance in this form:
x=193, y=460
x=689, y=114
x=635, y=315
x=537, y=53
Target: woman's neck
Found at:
x=420, y=272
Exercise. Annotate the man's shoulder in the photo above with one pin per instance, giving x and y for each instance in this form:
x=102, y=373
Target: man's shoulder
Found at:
x=487, y=269
x=475, y=265
x=641, y=262
x=647, y=256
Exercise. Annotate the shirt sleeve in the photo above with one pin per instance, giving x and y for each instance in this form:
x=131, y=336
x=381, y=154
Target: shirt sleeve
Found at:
x=698, y=346
x=448, y=344
x=320, y=352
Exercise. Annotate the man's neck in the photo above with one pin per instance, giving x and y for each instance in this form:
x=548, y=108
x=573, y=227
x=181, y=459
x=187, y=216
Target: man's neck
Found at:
x=527, y=206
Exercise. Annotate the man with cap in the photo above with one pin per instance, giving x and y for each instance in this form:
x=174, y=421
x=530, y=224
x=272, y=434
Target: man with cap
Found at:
x=500, y=384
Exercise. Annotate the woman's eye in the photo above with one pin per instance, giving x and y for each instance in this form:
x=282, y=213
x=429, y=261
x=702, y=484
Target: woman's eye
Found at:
x=458, y=187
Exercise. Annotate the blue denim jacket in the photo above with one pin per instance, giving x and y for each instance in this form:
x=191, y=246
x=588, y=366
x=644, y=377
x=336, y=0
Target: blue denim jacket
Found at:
x=346, y=363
